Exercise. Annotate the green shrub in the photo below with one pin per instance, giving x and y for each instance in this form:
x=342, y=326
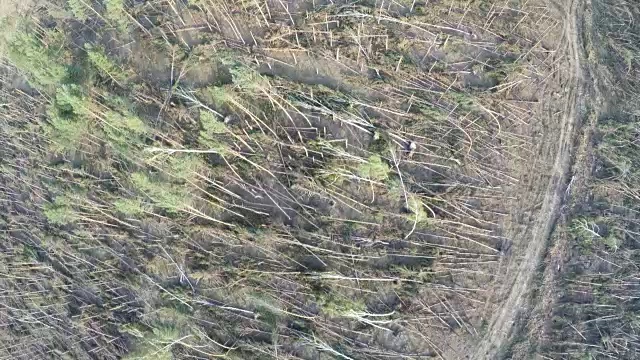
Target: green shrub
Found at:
x=335, y=305
x=165, y=195
x=116, y=13
x=418, y=213
x=60, y=211
x=70, y=100
x=185, y=165
x=44, y=65
x=585, y=231
x=66, y=134
x=155, y=344
x=129, y=124
x=375, y=169
x=130, y=207
x=99, y=59
x=210, y=124
x=68, y=117
x=78, y=9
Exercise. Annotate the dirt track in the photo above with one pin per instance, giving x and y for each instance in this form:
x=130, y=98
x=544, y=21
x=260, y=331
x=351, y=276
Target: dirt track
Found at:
x=522, y=272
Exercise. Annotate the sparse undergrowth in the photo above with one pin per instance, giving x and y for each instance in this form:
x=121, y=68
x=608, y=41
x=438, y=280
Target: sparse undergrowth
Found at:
x=254, y=180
